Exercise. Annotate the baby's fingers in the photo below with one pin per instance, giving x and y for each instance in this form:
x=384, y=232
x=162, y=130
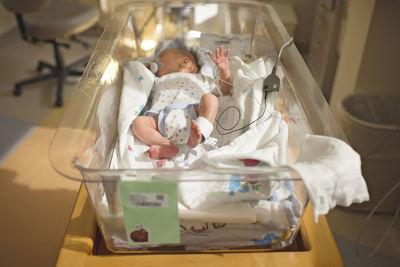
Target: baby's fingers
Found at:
x=217, y=54
x=221, y=50
x=212, y=57
x=227, y=52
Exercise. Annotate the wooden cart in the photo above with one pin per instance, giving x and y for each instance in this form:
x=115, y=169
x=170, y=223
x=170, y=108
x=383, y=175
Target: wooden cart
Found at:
x=83, y=246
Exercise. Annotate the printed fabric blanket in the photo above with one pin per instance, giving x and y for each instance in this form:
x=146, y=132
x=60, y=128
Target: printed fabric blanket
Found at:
x=246, y=96
x=261, y=145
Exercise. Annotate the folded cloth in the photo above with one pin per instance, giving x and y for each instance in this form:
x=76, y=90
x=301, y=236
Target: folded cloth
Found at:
x=206, y=195
x=279, y=215
x=240, y=212
x=195, y=233
x=274, y=236
x=283, y=212
x=331, y=171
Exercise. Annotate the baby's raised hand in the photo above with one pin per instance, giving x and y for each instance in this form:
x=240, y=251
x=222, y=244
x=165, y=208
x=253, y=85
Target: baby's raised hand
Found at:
x=220, y=59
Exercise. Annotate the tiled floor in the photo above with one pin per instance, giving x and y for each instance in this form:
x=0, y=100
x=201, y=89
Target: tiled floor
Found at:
x=18, y=118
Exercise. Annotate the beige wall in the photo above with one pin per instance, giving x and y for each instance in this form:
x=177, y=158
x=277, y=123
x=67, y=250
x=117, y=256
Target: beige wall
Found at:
x=356, y=21
x=380, y=66
x=304, y=10
x=7, y=20
x=369, y=50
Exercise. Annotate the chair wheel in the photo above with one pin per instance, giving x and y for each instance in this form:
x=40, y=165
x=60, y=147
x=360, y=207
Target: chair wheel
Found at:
x=39, y=67
x=58, y=103
x=17, y=91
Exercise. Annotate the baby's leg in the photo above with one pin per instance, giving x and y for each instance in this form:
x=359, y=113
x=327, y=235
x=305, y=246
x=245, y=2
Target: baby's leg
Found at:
x=146, y=129
x=207, y=109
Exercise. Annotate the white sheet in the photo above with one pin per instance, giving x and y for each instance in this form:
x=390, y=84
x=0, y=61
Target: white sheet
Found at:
x=137, y=84
x=323, y=163
x=331, y=171
x=266, y=143
x=247, y=96
x=210, y=234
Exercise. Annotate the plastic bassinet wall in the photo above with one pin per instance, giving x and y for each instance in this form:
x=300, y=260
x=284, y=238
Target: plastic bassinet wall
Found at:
x=84, y=146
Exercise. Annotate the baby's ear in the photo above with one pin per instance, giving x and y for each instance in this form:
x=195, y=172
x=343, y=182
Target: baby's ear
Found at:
x=188, y=66
x=185, y=62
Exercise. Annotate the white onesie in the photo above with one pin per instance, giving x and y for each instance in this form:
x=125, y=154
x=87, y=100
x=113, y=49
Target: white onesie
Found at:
x=174, y=96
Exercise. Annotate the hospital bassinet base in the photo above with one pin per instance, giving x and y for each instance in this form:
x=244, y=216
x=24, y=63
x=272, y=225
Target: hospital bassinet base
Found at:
x=251, y=30
x=235, y=230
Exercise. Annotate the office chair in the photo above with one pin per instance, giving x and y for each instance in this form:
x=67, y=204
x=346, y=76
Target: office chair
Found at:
x=50, y=21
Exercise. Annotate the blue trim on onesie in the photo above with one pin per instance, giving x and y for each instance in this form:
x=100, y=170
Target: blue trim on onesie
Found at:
x=163, y=113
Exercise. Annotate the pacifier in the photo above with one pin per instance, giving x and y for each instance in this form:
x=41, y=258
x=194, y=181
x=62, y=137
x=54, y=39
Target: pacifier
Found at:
x=155, y=66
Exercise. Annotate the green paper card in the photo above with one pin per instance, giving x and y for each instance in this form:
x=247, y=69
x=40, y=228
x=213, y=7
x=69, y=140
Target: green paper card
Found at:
x=150, y=212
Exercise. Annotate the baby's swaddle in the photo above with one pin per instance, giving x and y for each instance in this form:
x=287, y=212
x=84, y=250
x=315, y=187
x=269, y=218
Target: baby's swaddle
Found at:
x=174, y=122
x=179, y=134
x=174, y=97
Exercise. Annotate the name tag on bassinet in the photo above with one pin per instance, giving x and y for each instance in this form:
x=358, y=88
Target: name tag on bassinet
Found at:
x=150, y=212
x=238, y=44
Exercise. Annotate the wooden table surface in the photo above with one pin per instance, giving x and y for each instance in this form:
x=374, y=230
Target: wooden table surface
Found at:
x=80, y=245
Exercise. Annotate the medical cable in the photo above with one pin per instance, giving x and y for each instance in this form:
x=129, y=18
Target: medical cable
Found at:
x=237, y=122
x=238, y=111
x=271, y=84
x=395, y=216
x=287, y=44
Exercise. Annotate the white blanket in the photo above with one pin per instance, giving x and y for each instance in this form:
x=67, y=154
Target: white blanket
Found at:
x=246, y=95
x=246, y=102
x=324, y=163
x=137, y=84
x=331, y=171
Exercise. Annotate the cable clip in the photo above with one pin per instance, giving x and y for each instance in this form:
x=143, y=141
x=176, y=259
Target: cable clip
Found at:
x=272, y=82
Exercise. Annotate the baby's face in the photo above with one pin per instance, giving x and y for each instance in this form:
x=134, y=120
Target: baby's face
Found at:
x=171, y=62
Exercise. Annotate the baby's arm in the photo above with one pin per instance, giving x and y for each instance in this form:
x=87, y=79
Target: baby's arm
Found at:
x=221, y=60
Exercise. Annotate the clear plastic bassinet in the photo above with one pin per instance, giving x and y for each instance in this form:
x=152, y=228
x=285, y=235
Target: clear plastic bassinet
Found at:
x=82, y=149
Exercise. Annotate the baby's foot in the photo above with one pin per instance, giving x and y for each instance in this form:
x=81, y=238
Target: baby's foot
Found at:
x=162, y=151
x=195, y=135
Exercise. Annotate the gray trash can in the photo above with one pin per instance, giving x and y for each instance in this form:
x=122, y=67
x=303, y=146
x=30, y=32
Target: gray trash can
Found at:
x=372, y=125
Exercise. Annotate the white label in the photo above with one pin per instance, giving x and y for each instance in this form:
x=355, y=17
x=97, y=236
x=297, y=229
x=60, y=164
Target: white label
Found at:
x=149, y=200
x=238, y=44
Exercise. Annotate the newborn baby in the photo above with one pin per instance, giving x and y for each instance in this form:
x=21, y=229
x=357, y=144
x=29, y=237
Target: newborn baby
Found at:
x=183, y=106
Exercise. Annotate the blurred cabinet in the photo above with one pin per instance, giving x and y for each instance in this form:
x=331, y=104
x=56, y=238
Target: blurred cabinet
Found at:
x=322, y=55
x=368, y=50
x=287, y=15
